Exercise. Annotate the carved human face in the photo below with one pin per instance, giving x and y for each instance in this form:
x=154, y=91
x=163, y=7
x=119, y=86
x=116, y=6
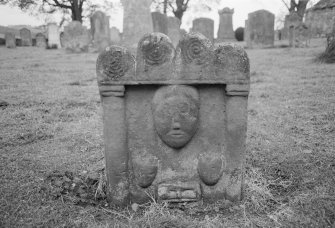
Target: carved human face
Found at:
x=176, y=110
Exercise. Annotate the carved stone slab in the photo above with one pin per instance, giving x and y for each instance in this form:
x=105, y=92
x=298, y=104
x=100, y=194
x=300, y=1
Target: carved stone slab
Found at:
x=174, y=120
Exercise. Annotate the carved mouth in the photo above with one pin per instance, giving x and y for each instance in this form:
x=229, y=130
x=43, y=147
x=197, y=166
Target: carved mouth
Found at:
x=176, y=134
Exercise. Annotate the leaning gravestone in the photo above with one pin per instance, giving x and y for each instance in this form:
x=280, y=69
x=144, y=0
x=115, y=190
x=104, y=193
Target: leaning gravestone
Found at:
x=25, y=37
x=174, y=120
x=226, y=31
x=160, y=23
x=174, y=30
x=260, y=29
x=10, y=40
x=137, y=21
x=115, y=35
x=204, y=26
x=100, y=30
x=41, y=40
x=76, y=37
x=53, y=36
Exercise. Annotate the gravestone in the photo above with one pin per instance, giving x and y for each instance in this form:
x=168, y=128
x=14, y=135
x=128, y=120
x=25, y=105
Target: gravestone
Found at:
x=204, y=26
x=301, y=35
x=115, y=35
x=260, y=29
x=174, y=120
x=25, y=37
x=293, y=20
x=76, y=37
x=174, y=30
x=10, y=40
x=53, y=36
x=100, y=30
x=246, y=31
x=160, y=23
x=226, y=31
x=137, y=21
x=41, y=40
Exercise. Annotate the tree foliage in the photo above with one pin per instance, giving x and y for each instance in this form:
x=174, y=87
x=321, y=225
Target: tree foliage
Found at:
x=179, y=7
x=76, y=8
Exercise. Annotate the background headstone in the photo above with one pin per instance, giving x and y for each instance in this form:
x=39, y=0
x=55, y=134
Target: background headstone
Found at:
x=226, y=31
x=204, y=26
x=26, y=39
x=100, y=30
x=174, y=30
x=137, y=21
x=76, y=37
x=40, y=40
x=301, y=35
x=10, y=40
x=53, y=36
x=160, y=23
x=246, y=31
x=115, y=35
x=260, y=29
x=292, y=20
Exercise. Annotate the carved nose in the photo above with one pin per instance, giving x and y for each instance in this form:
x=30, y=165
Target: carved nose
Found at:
x=175, y=125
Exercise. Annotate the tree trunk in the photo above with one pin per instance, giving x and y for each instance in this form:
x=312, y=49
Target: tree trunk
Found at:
x=165, y=6
x=76, y=11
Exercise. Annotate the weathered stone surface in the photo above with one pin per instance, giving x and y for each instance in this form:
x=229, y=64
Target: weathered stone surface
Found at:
x=53, y=36
x=41, y=40
x=260, y=29
x=319, y=18
x=226, y=31
x=174, y=30
x=115, y=36
x=301, y=35
x=10, y=40
x=204, y=26
x=179, y=133
x=160, y=23
x=137, y=21
x=25, y=37
x=76, y=37
x=100, y=30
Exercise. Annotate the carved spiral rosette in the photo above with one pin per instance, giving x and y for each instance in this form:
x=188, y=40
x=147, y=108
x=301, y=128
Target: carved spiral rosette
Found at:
x=233, y=57
x=156, y=49
x=114, y=63
x=196, y=48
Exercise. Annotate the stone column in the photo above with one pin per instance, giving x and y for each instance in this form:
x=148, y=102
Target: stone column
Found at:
x=137, y=21
x=226, y=31
x=53, y=36
x=205, y=26
x=100, y=30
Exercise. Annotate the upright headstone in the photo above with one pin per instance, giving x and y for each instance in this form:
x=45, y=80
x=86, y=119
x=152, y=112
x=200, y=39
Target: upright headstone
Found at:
x=160, y=23
x=25, y=35
x=174, y=30
x=261, y=29
x=100, y=30
x=246, y=31
x=137, y=21
x=174, y=121
x=205, y=26
x=10, y=40
x=41, y=40
x=115, y=36
x=292, y=21
x=76, y=37
x=226, y=31
x=53, y=36
x=301, y=35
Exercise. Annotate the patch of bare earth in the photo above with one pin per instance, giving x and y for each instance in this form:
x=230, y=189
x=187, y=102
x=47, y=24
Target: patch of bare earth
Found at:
x=51, y=147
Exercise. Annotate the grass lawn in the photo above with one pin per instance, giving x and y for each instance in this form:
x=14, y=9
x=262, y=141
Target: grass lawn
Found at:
x=51, y=138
